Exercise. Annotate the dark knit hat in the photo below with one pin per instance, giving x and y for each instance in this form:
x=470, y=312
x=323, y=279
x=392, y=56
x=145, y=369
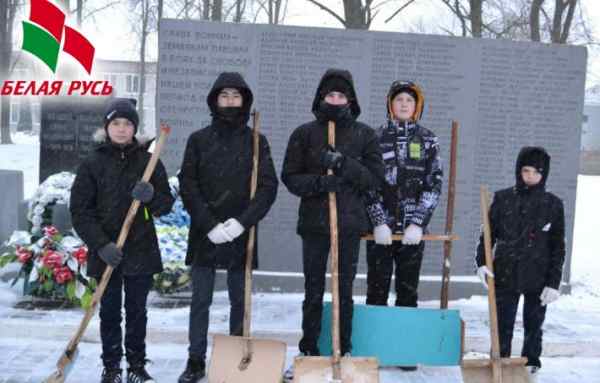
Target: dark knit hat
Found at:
x=336, y=84
x=121, y=108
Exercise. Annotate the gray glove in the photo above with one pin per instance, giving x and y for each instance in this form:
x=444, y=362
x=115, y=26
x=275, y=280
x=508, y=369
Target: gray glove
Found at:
x=111, y=254
x=143, y=191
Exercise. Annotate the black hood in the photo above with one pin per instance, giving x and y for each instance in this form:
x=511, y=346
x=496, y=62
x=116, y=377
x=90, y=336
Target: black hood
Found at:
x=230, y=80
x=344, y=75
x=537, y=157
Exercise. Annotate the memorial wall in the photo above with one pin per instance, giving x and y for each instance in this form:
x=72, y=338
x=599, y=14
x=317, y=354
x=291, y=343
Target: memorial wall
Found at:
x=503, y=94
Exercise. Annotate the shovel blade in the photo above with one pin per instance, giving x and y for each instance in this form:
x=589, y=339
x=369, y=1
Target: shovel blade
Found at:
x=483, y=374
x=266, y=363
x=318, y=369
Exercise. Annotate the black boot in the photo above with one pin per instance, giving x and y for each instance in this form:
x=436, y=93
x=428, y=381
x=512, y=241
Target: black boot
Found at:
x=194, y=371
x=111, y=375
x=136, y=373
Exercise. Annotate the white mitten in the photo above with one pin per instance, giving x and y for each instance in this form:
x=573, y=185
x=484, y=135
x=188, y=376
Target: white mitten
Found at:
x=412, y=235
x=482, y=273
x=233, y=227
x=549, y=295
x=382, y=234
x=218, y=235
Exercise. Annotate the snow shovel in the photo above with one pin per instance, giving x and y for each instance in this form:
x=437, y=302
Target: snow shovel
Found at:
x=309, y=369
x=495, y=369
x=237, y=359
x=65, y=362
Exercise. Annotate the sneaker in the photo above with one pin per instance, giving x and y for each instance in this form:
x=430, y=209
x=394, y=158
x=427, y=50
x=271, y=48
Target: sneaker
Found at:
x=194, y=371
x=533, y=373
x=138, y=374
x=111, y=375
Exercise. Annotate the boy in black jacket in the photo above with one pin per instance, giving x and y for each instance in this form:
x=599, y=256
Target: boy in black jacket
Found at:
x=528, y=230
x=356, y=162
x=215, y=189
x=106, y=183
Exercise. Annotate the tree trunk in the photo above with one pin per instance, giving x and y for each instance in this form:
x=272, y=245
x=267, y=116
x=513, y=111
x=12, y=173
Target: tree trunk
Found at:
x=559, y=8
x=142, y=76
x=277, y=13
x=25, y=123
x=476, y=17
x=534, y=19
x=205, y=9
x=217, y=10
x=79, y=13
x=355, y=15
x=238, y=11
x=568, y=21
x=7, y=14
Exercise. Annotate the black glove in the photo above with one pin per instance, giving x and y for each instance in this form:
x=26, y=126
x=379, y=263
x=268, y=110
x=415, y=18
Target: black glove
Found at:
x=331, y=158
x=111, y=254
x=330, y=184
x=143, y=191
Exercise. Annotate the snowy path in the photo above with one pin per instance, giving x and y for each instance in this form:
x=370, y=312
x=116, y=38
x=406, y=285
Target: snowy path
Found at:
x=36, y=337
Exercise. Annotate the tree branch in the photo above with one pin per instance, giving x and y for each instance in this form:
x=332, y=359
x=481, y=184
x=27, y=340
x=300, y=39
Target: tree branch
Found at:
x=332, y=13
x=409, y=2
x=91, y=13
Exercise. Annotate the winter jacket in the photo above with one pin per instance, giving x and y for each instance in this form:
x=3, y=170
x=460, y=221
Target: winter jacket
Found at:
x=362, y=170
x=215, y=183
x=100, y=199
x=528, y=230
x=413, y=172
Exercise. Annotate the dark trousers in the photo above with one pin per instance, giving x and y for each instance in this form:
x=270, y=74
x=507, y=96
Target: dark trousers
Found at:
x=315, y=255
x=380, y=262
x=203, y=285
x=533, y=319
x=136, y=295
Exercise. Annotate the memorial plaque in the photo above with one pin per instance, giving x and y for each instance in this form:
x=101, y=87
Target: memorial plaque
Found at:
x=67, y=126
x=503, y=94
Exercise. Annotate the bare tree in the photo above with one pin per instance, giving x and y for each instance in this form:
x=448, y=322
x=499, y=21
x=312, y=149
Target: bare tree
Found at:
x=274, y=9
x=146, y=14
x=8, y=10
x=536, y=20
x=559, y=26
x=359, y=16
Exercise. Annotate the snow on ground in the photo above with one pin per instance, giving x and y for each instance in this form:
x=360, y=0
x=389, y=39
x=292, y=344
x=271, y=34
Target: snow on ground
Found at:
x=23, y=155
x=36, y=337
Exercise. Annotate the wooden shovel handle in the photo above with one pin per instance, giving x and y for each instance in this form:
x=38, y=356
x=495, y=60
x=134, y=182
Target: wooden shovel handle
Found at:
x=449, y=217
x=89, y=313
x=487, y=240
x=252, y=231
x=335, y=288
x=426, y=237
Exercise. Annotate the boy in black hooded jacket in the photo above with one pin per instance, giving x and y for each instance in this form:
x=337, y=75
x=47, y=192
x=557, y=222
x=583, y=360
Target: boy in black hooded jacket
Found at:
x=215, y=189
x=357, y=166
x=528, y=231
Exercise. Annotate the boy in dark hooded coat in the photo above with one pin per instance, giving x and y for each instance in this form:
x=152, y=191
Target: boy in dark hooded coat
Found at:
x=357, y=166
x=215, y=188
x=528, y=231
x=105, y=185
